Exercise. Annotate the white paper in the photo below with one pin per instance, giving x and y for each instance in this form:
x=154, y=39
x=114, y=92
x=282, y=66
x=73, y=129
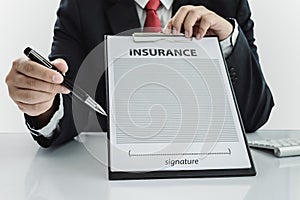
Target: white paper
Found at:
x=172, y=110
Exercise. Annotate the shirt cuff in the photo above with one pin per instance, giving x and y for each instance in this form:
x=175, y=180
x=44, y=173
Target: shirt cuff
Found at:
x=48, y=130
x=228, y=43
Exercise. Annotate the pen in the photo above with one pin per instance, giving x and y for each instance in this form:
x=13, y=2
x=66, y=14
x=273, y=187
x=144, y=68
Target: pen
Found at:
x=76, y=91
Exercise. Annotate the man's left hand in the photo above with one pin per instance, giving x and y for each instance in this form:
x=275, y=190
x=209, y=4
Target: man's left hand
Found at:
x=198, y=21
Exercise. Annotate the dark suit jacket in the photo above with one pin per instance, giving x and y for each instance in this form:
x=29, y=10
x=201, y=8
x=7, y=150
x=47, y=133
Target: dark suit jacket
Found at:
x=81, y=25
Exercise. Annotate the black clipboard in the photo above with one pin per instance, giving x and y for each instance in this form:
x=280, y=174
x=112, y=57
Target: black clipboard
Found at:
x=166, y=174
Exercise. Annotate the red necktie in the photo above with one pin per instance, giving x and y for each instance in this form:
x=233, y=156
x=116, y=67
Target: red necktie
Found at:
x=152, y=23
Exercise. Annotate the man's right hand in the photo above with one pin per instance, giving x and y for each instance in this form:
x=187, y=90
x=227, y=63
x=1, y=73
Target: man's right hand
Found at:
x=33, y=87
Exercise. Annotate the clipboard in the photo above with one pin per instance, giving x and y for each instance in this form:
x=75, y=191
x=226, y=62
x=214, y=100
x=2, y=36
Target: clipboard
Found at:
x=211, y=151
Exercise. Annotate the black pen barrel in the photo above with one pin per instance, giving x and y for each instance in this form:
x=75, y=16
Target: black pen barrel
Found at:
x=36, y=57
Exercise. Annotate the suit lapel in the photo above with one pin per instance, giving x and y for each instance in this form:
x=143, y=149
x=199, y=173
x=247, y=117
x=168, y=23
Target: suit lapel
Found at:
x=122, y=15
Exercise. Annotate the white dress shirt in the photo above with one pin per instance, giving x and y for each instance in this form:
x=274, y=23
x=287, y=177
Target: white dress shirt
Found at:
x=164, y=12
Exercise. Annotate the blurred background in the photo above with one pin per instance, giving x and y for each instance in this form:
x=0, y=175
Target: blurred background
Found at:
x=30, y=23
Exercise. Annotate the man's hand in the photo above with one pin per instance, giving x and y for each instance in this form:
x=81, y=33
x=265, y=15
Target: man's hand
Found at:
x=198, y=21
x=33, y=87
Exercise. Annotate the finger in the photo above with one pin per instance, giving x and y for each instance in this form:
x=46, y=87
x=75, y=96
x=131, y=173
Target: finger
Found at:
x=30, y=96
x=210, y=33
x=35, y=70
x=204, y=25
x=34, y=109
x=179, y=18
x=61, y=65
x=195, y=29
x=168, y=28
x=191, y=20
x=25, y=82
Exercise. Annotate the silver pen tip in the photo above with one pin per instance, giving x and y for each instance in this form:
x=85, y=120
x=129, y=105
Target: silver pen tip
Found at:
x=100, y=110
x=94, y=105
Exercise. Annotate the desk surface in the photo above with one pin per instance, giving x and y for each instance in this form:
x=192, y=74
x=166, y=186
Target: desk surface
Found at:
x=78, y=170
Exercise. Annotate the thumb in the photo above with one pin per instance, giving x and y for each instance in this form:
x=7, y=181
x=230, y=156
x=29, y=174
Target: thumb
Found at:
x=61, y=65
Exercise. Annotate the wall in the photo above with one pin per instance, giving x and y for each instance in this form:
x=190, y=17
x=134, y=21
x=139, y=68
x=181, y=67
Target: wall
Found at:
x=30, y=23
x=22, y=24
x=277, y=32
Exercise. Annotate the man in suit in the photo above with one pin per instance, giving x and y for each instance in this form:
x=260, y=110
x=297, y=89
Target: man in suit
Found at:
x=81, y=26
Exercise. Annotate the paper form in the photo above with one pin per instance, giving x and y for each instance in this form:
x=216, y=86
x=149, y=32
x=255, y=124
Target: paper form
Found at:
x=171, y=107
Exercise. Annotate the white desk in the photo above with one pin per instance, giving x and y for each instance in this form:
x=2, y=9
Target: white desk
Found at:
x=77, y=170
